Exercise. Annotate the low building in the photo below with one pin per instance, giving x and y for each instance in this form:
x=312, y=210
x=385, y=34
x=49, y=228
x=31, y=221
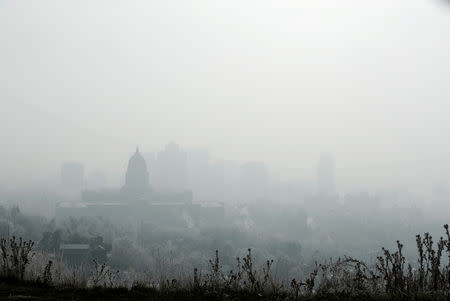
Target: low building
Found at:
x=167, y=214
x=75, y=254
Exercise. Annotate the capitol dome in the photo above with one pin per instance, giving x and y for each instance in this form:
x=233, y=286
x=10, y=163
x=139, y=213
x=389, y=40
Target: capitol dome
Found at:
x=136, y=178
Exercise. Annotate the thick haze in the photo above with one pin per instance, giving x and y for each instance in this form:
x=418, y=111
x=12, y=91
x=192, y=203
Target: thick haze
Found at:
x=274, y=81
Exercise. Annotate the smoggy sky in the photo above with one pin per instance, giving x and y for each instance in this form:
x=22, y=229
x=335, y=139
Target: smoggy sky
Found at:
x=278, y=81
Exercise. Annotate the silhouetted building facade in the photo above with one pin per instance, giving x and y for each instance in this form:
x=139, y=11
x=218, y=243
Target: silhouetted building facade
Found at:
x=325, y=176
x=96, y=180
x=254, y=180
x=135, y=201
x=136, y=177
x=170, y=171
x=210, y=179
x=72, y=175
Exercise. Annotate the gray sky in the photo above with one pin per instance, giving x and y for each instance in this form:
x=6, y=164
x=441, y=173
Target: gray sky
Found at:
x=278, y=81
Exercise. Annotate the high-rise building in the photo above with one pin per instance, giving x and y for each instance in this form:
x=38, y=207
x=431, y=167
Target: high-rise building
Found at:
x=72, y=175
x=171, y=171
x=204, y=177
x=96, y=180
x=325, y=175
x=254, y=181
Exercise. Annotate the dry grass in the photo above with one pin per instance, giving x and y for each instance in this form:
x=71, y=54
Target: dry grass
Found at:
x=391, y=276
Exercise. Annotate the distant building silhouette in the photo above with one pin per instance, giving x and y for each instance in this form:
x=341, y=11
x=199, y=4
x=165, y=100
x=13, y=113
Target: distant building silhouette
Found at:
x=136, y=177
x=96, y=180
x=208, y=178
x=135, y=201
x=254, y=180
x=72, y=175
x=171, y=171
x=325, y=175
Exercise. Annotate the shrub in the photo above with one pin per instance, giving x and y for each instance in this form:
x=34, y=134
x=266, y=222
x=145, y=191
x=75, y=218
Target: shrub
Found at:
x=15, y=256
x=390, y=276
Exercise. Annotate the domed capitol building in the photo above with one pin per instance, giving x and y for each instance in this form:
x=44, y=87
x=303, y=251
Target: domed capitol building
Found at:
x=136, y=178
x=136, y=201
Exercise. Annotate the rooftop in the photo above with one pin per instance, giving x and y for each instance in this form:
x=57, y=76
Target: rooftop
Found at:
x=74, y=247
x=84, y=204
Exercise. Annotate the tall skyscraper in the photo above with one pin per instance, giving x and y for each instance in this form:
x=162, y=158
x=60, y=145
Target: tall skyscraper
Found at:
x=325, y=175
x=96, y=180
x=254, y=181
x=171, y=171
x=72, y=175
